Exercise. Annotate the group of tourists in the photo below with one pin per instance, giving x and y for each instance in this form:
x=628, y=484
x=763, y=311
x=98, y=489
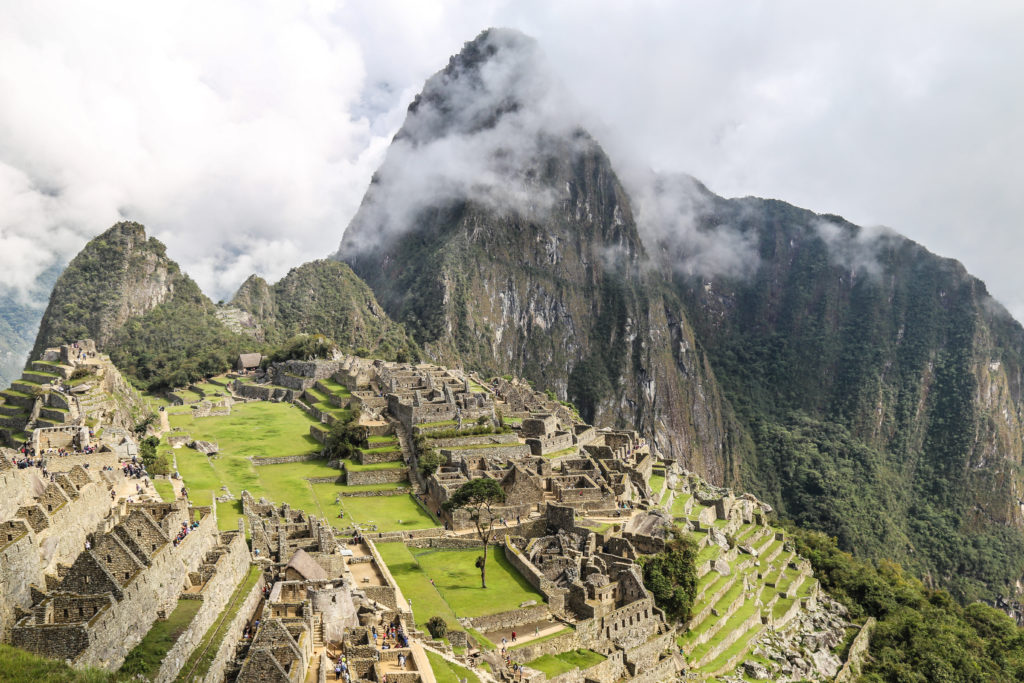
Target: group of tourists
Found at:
x=186, y=529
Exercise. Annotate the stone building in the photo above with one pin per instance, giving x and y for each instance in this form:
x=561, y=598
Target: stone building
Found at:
x=93, y=612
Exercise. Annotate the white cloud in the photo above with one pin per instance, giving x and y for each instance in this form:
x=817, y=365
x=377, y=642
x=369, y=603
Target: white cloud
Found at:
x=245, y=133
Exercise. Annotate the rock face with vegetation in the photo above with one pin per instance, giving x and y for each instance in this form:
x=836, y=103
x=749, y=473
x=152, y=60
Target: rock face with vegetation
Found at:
x=880, y=385
x=125, y=293
x=322, y=297
x=504, y=241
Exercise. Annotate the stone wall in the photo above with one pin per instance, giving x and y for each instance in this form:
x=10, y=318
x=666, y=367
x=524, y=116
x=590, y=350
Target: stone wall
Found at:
x=263, y=392
x=554, y=595
x=858, y=652
x=26, y=561
x=388, y=476
x=231, y=569
x=505, y=621
x=233, y=633
x=281, y=459
x=367, y=458
x=503, y=452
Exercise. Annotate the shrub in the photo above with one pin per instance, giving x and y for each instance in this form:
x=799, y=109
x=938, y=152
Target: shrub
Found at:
x=437, y=626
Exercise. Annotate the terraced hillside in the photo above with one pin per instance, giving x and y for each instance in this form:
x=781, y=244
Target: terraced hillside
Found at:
x=753, y=589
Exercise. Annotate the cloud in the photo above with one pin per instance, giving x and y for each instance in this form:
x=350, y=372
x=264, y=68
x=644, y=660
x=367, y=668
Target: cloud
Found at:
x=679, y=226
x=245, y=133
x=855, y=249
x=477, y=132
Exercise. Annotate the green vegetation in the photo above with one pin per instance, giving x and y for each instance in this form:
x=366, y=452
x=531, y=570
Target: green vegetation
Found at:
x=555, y=665
x=386, y=513
x=259, y=429
x=672, y=576
x=922, y=634
x=165, y=489
x=326, y=298
x=199, y=662
x=859, y=394
x=454, y=591
x=146, y=657
x=18, y=666
x=448, y=672
x=537, y=641
x=479, y=496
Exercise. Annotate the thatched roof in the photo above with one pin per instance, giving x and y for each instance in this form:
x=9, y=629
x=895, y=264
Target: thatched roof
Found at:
x=250, y=360
x=307, y=567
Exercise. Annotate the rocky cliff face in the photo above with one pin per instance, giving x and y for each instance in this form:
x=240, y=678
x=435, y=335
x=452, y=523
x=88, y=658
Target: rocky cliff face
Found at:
x=880, y=383
x=497, y=231
x=125, y=293
x=321, y=297
x=117, y=276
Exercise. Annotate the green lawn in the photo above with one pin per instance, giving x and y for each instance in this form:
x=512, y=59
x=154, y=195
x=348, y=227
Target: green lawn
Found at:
x=146, y=657
x=457, y=581
x=447, y=672
x=198, y=664
x=261, y=429
x=657, y=483
x=336, y=388
x=382, y=440
x=554, y=665
x=18, y=666
x=389, y=513
x=415, y=584
x=282, y=483
x=164, y=488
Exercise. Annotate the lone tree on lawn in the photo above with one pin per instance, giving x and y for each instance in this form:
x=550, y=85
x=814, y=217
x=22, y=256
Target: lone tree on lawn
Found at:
x=479, y=496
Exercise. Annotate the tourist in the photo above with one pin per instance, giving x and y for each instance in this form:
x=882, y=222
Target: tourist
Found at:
x=513, y=636
x=337, y=672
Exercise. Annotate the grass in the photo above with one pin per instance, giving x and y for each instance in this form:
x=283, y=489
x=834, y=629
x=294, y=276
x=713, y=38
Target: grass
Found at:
x=356, y=467
x=482, y=641
x=442, y=423
x=199, y=662
x=458, y=581
x=165, y=489
x=381, y=440
x=260, y=429
x=657, y=483
x=18, y=666
x=554, y=665
x=415, y=584
x=456, y=589
x=146, y=657
x=448, y=672
x=565, y=451
x=281, y=483
x=336, y=387
x=389, y=513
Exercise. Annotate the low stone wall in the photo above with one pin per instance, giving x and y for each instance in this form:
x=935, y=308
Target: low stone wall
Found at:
x=504, y=621
x=279, y=460
x=93, y=462
x=263, y=392
x=394, y=455
x=232, y=569
x=475, y=440
x=449, y=542
x=504, y=452
x=554, y=595
x=858, y=651
x=233, y=633
x=552, y=646
x=365, y=477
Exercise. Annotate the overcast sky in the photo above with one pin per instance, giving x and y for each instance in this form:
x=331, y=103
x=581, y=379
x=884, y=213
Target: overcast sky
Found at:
x=244, y=133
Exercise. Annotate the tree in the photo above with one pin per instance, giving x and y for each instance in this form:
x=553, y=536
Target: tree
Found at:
x=672, y=576
x=479, y=496
x=429, y=460
x=344, y=438
x=437, y=626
